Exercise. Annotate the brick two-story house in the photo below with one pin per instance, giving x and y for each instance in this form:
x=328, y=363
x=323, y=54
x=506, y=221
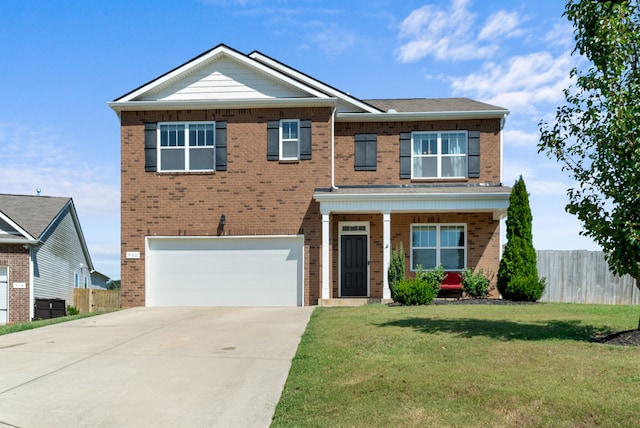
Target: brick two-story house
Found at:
x=247, y=182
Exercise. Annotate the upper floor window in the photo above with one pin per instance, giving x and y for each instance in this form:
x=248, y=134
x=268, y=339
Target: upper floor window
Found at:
x=289, y=139
x=187, y=146
x=438, y=244
x=439, y=154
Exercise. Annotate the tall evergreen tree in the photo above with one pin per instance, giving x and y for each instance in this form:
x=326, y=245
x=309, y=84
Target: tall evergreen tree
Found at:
x=518, y=273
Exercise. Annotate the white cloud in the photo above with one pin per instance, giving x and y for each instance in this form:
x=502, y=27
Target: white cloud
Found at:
x=519, y=138
x=501, y=24
x=521, y=84
x=332, y=39
x=450, y=34
x=41, y=159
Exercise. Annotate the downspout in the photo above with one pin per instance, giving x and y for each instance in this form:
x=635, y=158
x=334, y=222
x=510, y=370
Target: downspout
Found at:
x=333, y=142
x=502, y=123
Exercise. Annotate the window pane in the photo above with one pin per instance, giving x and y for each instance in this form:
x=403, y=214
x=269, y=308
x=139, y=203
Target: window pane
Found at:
x=454, y=166
x=425, y=166
x=424, y=236
x=424, y=258
x=425, y=144
x=452, y=236
x=289, y=130
x=290, y=149
x=171, y=160
x=201, y=134
x=209, y=133
x=452, y=259
x=201, y=159
x=454, y=143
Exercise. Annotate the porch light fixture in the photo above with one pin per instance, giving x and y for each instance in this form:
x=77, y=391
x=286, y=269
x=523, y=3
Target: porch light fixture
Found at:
x=223, y=220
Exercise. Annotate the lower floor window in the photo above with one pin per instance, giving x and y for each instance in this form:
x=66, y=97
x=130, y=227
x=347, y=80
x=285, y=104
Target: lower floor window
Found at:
x=438, y=244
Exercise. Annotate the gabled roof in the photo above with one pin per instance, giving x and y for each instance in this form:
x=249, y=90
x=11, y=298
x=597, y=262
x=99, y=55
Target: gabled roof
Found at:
x=31, y=217
x=223, y=77
x=226, y=78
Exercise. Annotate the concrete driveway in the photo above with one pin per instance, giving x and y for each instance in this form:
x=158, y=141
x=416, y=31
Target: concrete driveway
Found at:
x=151, y=367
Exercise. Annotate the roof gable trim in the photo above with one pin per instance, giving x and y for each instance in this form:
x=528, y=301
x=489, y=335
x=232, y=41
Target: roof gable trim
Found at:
x=207, y=57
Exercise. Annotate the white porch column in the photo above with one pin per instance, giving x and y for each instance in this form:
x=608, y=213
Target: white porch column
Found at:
x=326, y=264
x=386, y=253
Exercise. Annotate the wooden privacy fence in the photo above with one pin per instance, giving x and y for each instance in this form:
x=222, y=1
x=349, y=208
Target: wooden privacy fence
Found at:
x=91, y=300
x=581, y=276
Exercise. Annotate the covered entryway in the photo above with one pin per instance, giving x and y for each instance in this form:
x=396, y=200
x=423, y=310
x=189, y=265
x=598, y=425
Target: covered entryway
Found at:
x=225, y=271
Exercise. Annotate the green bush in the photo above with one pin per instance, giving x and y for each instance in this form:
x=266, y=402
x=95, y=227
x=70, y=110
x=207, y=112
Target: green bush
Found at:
x=475, y=284
x=524, y=288
x=71, y=310
x=396, y=267
x=519, y=256
x=422, y=289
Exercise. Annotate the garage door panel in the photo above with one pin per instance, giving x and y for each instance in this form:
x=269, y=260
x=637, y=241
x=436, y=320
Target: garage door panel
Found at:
x=254, y=271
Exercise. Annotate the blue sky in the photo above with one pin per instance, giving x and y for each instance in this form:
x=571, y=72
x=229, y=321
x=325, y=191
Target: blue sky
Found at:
x=62, y=61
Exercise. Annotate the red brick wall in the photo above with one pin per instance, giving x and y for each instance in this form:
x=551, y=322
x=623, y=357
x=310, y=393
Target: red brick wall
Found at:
x=16, y=258
x=268, y=197
x=257, y=197
x=388, y=168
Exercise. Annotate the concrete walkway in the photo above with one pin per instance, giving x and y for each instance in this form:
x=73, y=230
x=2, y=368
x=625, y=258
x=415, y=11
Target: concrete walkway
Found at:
x=151, y=367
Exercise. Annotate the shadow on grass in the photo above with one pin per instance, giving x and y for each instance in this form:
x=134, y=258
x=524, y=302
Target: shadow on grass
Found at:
x=501, y=329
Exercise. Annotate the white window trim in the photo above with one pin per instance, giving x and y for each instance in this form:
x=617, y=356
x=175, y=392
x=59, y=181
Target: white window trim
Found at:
x=186, y=147
x=438, y=246
x=281, y=140
x=439, y=156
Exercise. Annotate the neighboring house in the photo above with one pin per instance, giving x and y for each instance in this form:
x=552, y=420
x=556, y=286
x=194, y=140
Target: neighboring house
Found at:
x=43, y=254
x=99, y=280
x=246, y=182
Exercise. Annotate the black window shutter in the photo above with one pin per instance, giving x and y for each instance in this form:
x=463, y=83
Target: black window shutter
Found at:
x=150, y=147
x=405, y=155
x=366, y=152
x=273, y=140
x=221, y=146
x=305, y=140
x=474, y=154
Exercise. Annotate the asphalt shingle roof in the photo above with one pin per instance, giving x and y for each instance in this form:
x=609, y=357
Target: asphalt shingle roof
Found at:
x=415, y=105
x=32, y=213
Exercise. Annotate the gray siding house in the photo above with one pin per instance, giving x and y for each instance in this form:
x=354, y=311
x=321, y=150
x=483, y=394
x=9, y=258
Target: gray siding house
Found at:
x=43, y=254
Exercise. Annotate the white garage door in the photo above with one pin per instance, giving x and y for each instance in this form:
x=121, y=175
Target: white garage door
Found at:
x=224, y=271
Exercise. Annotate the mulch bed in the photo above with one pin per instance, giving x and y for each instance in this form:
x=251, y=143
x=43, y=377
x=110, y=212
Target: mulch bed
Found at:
x=623, y=338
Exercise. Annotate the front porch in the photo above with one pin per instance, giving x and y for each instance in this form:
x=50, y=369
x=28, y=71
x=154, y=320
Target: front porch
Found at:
x=361, y=225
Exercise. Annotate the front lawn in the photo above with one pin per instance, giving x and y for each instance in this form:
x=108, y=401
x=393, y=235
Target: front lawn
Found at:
x=463, y=366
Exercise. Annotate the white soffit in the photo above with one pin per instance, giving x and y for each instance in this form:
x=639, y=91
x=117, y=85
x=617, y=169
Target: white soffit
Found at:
x=497, y=202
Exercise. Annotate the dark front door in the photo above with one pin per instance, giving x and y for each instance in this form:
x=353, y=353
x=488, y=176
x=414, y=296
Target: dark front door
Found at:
x=353, y=277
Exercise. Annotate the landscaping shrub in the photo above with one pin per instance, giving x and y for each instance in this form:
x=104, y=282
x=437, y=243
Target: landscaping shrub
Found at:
x=524, y=288
x=72, y=310
x=396, y=268
x=420, y=290
x=518, y=263
x=475, y=284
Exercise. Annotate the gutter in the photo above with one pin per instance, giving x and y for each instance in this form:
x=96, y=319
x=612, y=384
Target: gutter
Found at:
x=25, y=242
x=119, y=106
x=412, y=116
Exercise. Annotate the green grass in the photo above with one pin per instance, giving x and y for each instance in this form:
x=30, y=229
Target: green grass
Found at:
x=463, y=366
x=21, y=326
